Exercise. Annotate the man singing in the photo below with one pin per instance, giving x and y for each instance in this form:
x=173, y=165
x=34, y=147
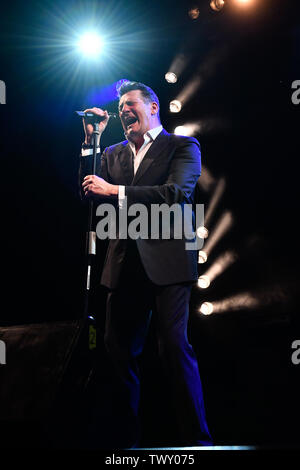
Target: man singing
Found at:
x=149, y=276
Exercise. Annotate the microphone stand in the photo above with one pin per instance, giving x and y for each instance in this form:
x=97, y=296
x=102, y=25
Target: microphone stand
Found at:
x=88, y=322
x=91, y=234
x=86, y=326
x=87, y=330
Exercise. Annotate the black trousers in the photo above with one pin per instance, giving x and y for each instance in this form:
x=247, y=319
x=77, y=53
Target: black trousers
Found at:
x=128, y=317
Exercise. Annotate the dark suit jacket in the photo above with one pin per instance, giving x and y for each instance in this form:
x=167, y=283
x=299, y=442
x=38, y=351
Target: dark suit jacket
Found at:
x=167, y=174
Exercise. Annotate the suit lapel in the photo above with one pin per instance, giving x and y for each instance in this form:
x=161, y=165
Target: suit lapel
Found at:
x=157, y=147
x=126, y=161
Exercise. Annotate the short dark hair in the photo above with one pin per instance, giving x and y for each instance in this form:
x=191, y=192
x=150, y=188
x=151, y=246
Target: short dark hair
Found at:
x=146, y=91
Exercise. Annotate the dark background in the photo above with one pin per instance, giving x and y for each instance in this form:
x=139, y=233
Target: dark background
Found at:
x=250, y=384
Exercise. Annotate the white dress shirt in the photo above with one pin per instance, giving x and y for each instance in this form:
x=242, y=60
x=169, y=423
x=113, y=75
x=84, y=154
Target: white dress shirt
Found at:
x=149, y=138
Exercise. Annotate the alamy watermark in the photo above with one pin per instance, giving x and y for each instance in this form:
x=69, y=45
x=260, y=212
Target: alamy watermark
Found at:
x=296, y=354
x=2, y=352
x=2, y=92
x=296, y=93
x=153, y=221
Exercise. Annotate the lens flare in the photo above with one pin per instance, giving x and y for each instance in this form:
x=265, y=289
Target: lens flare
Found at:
x=194, y=13
x=90, y=44
x=243, y=2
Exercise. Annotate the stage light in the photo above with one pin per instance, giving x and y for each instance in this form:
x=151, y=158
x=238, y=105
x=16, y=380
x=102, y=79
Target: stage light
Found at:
x=206, y=180
x=181, y=130
x=207, y=308
x=241, y=301
x=194, y=13
x=202, y=257
x=244, y=3
x=90, y=44
x=175, y=106
x=187, y=129
x=189, y=90
x=222, y=226
x=202, y=232
x=260, y=298
x=204, y=281
x=178, y=64
x=221, y=264
x=206, y=69
x=215, y=199
x=171, y=77
x=217, y=5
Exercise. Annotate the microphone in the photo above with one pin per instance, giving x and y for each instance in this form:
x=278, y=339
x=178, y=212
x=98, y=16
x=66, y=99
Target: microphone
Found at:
x=95, y=117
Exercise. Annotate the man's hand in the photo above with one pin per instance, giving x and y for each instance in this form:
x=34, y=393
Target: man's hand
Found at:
x=95, y=186
x=88, y=128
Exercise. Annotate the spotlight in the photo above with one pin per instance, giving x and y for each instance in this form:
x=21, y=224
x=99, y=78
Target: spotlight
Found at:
x=221, y=264
x=207, y=181
x=222, y=226
x=171, y=77
x=194, y=13
x=203, y=281
x=189, y=89
x=217, y=5
x=178, y=65
x=242, y=301
x=90, y=44
x=206, y=308
x=215, y=199
x=188, y=129
x=181, y=130
x=202, y=257
x=175, y=106
x=202, y=232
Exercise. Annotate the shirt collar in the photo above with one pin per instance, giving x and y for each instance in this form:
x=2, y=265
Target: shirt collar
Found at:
x=152, y=134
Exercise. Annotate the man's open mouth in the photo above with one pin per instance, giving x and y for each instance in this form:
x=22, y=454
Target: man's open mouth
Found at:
x=130, y=121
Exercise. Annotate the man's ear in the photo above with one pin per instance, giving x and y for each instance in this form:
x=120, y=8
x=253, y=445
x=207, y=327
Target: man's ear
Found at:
x=154, y=108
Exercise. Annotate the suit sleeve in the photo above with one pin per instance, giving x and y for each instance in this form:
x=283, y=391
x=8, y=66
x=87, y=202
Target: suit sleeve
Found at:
x=86, y=168
x=183, y=174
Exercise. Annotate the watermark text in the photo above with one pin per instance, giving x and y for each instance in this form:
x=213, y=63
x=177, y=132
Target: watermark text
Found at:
x=296, y=354
x=2, y=352
x=2, y=92
x=155, y=222
x=296, y=93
